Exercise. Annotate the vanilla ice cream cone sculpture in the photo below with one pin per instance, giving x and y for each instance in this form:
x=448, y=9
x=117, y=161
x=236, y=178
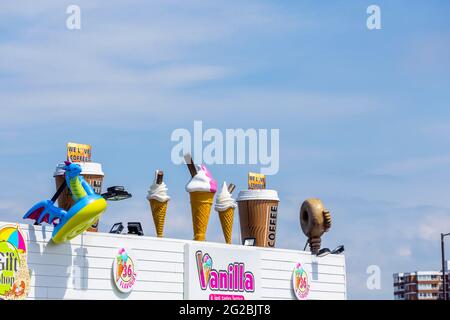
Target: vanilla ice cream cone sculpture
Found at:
x=201, y=188
x=158, y=198
x=225, y=206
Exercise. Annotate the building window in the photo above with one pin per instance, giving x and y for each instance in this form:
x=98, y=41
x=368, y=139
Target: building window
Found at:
x=426, y=286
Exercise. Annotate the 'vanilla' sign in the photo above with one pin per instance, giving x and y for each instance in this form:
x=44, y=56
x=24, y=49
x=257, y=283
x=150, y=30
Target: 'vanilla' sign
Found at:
x=234, y=278
x=218, y=274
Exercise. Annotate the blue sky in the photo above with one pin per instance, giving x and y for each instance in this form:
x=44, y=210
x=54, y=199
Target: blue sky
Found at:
x=364, y=116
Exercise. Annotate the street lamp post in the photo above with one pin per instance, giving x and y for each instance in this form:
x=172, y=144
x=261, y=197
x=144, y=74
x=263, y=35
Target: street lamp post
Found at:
x=444, y=280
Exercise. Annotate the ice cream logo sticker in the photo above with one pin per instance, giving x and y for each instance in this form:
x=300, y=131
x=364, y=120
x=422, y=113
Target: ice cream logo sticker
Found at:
x=124, y=271
x=233, y=279
x=300, y=282
x=14, y=272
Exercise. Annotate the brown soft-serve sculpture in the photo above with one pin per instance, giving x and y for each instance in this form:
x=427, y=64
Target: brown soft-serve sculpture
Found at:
x=315, y=220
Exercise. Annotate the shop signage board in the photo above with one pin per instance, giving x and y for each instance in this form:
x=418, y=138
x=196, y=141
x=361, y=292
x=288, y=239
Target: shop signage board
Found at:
x=217, y=273
x=14, y=272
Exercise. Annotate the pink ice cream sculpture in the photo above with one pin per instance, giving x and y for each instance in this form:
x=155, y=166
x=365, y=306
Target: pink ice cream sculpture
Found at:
x=201, y=188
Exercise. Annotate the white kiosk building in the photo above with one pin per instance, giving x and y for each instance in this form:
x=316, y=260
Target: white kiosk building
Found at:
x=172, y=269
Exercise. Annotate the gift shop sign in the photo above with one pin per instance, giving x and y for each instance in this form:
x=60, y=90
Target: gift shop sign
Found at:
x=217, y=273
x=14, y=272
x=124, y=271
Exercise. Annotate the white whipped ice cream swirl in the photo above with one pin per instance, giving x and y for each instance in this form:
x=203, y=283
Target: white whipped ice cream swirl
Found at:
x=224, y=200
x=158, y=192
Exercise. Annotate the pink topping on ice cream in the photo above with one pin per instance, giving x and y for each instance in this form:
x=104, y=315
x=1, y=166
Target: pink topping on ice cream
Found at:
x=212, y=182
x=202, y=182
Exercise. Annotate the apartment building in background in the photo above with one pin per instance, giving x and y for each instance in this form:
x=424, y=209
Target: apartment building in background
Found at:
x=420, y=285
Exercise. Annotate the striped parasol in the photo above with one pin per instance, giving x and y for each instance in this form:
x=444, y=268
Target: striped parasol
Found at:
x=13, y=235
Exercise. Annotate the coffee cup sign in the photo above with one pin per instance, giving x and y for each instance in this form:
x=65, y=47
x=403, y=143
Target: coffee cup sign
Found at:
x=256, y=181
x=258, y=211
x=77, y=152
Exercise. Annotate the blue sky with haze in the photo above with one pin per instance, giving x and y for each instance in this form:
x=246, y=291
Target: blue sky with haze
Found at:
x=363, y=115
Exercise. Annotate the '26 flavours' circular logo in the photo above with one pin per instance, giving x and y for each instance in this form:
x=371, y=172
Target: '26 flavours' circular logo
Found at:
x=300, y=282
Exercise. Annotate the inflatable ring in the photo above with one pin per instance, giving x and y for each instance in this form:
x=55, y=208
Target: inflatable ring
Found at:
x=79, y=218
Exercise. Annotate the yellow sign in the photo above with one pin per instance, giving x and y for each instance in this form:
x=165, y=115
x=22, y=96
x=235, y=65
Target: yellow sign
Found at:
x=78, y=152
x=256, y=181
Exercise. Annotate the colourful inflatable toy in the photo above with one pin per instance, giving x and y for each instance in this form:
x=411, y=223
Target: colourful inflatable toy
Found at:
x=87, y=209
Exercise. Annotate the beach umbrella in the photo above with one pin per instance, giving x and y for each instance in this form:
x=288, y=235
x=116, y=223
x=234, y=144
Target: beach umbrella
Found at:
x=12, y=235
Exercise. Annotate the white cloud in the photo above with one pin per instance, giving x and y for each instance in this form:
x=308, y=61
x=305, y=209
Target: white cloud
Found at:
x=116, y=63
x=437, y=130
x=414, y=165
x=427, y=53
x=404, y=251
x=432, y=226
x=186, y=75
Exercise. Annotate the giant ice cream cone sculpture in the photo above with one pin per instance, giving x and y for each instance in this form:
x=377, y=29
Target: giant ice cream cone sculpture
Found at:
x=201, y=188
x=201, y=203
x=158, y=198
x=225, y=206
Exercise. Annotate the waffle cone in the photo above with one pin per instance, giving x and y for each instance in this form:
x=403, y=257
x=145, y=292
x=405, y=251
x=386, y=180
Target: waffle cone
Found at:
x=159, y=210
x=201, y=203
x=226, y=220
